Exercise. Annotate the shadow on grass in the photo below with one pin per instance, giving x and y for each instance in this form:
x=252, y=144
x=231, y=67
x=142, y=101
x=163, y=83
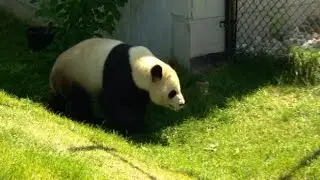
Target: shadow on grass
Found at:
x=307, y=160
x=113, y=152
x=233, y=81
x=25, y=74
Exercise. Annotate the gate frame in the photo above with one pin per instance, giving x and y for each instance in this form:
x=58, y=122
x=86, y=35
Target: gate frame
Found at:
x=230, y=25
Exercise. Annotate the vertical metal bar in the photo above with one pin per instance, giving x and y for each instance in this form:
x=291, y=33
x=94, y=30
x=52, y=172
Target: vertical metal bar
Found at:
x=226, y=27
x=230, y=26
x=234, y=25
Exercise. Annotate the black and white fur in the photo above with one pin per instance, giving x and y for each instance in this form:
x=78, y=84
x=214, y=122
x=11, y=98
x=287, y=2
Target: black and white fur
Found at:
x=122, y=78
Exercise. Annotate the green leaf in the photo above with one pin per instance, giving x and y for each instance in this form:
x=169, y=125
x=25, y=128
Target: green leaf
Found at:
x=122, y=3
x=116, y=13
x=59, y=7
x=109, y=18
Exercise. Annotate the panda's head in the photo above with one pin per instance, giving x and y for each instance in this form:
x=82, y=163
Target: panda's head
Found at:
x=165, y=88
x=157, y=77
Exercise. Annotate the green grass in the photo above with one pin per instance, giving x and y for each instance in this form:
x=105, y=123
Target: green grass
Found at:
x=247, y=127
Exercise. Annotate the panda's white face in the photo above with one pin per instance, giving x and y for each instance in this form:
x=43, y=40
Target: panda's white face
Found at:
x=165, y=89
x=156, y=77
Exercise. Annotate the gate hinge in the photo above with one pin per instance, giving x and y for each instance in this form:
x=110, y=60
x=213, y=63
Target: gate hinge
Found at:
x=222, y=23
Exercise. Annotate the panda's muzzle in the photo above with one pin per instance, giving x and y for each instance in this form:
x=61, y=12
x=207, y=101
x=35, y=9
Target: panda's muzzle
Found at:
x=178, y=107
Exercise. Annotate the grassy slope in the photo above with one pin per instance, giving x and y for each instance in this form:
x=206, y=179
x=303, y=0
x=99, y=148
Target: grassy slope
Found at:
x=245, y=128
x=37, y=143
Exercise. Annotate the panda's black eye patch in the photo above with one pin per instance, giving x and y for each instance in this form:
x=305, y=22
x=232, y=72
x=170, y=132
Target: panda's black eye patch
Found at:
x=172, y=94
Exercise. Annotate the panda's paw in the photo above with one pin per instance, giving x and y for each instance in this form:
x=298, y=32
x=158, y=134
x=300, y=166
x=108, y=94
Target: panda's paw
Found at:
x=130, y=129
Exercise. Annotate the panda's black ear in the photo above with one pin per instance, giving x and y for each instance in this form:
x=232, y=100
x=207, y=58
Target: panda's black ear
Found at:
x=156, y=73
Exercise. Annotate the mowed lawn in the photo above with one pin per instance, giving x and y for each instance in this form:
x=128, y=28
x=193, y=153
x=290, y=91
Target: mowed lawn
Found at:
x=247, y=126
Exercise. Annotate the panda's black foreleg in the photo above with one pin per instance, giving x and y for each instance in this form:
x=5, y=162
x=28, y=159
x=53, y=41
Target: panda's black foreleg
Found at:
x=127, y=120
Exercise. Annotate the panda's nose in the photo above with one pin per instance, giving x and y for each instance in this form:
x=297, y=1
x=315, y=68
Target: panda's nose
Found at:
x=182, y=103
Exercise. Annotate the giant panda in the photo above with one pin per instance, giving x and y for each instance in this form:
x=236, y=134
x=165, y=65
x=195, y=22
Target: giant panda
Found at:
x=120, y=78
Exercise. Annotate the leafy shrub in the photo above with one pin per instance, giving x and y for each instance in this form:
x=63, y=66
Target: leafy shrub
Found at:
x=304, y=66
x=76, y=20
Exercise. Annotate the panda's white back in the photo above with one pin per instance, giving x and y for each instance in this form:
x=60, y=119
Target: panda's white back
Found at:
x=83, y=63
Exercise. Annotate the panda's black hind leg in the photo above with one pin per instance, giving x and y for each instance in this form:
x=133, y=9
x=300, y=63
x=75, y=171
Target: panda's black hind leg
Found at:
x=56, y=103
x=76, y=104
